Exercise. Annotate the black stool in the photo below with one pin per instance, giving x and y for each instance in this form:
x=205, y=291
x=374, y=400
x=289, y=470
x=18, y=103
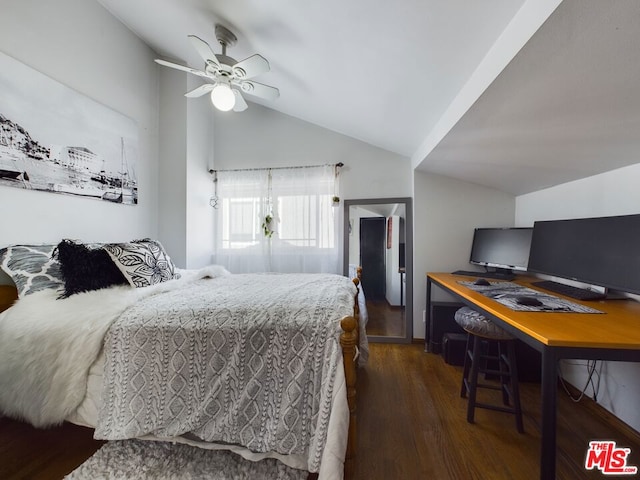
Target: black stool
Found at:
x=482, y=333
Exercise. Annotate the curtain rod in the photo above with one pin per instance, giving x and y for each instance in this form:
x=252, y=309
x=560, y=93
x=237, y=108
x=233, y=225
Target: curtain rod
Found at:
x=277, y=168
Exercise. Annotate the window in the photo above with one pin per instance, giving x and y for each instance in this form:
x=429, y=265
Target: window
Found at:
x=304, y=224
x=240, y=216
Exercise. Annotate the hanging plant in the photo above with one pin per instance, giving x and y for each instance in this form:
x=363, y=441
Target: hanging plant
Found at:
x=335, y=200
x=267, y=223
x=267, y=226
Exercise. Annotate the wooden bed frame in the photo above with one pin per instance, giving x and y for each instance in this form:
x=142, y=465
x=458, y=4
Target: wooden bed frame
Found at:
x=348, y=341
x=8, y=295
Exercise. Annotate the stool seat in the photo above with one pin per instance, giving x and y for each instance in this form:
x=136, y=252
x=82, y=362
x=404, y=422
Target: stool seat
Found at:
x=477, y=324
x=482, y=333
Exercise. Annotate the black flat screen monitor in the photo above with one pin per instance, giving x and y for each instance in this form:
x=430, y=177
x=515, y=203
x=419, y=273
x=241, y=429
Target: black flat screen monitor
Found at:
x=502, y=248
x=602, y=251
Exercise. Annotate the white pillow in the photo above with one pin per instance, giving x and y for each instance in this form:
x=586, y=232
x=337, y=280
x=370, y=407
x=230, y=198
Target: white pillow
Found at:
x=142, y=262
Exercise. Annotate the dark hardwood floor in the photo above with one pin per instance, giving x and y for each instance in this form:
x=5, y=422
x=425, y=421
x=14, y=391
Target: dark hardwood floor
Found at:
x=385, y=320
x=42, y=454
x=411, y=425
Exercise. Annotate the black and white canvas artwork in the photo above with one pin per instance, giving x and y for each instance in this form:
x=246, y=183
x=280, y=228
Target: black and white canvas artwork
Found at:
x=55, y=139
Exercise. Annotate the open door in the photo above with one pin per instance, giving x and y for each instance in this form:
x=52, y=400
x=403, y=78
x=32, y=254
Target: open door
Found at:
x=372, y=256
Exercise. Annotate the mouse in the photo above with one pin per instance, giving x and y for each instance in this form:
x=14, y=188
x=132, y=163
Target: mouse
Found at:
x=481, y=281
x=528, y=300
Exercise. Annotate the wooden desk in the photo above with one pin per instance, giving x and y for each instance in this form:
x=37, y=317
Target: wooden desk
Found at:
x=613, y=335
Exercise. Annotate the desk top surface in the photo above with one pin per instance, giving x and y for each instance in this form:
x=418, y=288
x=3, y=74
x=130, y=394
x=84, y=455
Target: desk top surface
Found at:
x=617, y=328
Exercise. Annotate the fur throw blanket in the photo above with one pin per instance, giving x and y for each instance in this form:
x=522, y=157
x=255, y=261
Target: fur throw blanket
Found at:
x=47, y=345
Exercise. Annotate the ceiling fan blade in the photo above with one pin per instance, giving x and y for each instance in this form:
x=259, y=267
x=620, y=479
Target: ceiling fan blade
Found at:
x=200, y=91
x=200, y=73
x=204, y=50
x=250, y=67
x=240, y=105
x=258, y=89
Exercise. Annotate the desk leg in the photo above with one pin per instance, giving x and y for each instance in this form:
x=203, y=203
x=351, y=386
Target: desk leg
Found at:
x=427, y=319
x=549, y=392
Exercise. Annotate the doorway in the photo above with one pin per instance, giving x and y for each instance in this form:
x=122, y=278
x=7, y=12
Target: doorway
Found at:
x=372, y=240
x=378, y=238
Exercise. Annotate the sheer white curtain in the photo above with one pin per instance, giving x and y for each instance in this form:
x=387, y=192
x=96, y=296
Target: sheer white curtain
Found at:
x=242, y=203
x=307, y=228
x=304, y=228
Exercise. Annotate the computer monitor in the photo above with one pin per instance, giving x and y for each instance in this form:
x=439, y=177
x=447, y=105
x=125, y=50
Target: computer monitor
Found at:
x=504, y=249
x=601, y=251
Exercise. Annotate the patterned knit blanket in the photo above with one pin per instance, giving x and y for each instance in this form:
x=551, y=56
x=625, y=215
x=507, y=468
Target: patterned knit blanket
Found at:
x=241, y=359
x=144, y=460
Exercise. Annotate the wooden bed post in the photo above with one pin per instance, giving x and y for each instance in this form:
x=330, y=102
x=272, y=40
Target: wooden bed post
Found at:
x=8, y=295
x=348, y=341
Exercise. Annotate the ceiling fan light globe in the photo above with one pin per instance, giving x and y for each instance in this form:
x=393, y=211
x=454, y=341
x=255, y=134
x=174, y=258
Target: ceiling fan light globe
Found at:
x=222, y=97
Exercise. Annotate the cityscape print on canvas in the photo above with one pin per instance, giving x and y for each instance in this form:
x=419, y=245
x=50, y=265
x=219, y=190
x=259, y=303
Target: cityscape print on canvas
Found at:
x=55, y=139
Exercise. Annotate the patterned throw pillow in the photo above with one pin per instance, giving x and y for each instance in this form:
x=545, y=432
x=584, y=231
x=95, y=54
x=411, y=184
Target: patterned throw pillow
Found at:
x=31, y=267
x=143, y=262
x=86, y=267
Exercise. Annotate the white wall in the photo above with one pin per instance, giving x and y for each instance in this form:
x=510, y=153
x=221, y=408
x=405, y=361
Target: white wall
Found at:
x=79, y=44
x=199, y=186
x=445, y=213
x=172, y=170
x=611, y=193
x=261, y=137
x=185, y=225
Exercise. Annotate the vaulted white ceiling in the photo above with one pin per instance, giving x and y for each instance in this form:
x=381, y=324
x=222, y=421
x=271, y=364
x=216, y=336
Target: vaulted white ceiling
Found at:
x=426, y=78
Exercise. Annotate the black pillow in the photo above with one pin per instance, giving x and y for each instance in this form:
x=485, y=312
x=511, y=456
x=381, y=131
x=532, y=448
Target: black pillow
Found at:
x=85, y=269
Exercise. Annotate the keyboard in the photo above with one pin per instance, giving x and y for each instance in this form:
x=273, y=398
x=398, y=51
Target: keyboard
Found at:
x=493, y=275
x=569, y=290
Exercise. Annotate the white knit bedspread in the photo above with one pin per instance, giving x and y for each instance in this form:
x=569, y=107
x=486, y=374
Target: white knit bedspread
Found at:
x=242, y=359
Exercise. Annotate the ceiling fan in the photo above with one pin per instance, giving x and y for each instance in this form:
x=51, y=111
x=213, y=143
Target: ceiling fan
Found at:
x=229, y=77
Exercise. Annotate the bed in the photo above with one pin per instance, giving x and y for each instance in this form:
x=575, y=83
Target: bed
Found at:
x=261, y=364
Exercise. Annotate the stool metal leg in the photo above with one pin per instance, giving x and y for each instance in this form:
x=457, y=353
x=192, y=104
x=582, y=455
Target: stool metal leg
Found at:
x=505, y=372
x=473, y=381
x=467, y=365
x=515, y=389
